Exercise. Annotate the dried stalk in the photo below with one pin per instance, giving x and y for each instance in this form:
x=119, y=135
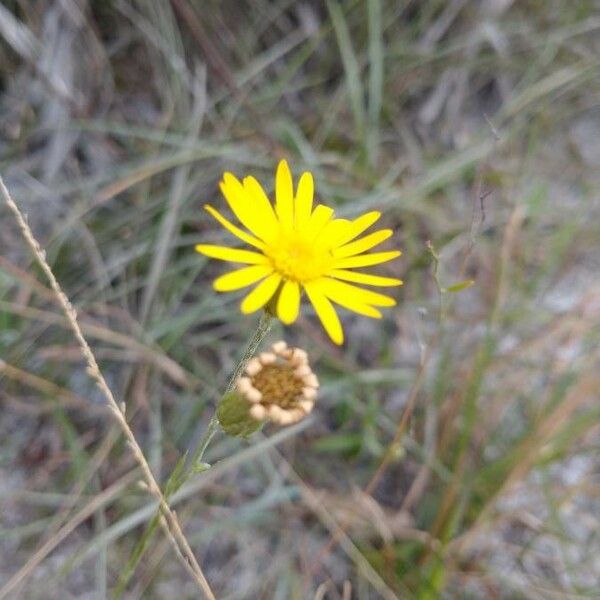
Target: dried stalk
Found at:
x=169, y=522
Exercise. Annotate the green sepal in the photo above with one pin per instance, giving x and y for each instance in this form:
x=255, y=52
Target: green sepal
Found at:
x=234, y=417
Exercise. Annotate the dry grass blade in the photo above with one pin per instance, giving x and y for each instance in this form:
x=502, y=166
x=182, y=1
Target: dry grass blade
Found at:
x=44, y=386
x=160, y=360
x=337, y=532
x=10, y=587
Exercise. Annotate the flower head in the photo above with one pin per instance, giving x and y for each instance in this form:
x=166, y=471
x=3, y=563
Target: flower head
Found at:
x=279, y=385
x=298, y=247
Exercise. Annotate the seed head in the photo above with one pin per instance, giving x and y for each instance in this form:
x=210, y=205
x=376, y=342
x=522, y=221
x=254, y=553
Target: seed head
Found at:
x=279, y=385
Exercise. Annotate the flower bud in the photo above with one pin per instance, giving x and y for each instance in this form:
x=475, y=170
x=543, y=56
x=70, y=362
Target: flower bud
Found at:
x=278, y=386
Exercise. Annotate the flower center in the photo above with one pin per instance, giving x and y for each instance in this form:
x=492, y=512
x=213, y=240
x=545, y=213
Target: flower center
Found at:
x=297, y=258
x=278, y=385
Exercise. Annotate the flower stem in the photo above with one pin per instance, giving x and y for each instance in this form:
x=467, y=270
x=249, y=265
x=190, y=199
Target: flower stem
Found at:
x=181, y=473
x=264, y=325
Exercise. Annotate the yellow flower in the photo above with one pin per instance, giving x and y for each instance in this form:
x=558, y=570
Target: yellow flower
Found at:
x=299, y=248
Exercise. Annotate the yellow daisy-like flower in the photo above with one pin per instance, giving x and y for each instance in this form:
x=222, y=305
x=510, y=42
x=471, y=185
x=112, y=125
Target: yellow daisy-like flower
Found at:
x=299, y=248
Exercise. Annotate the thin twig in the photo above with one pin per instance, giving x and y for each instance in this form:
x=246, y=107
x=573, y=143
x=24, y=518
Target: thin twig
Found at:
x=170, y=522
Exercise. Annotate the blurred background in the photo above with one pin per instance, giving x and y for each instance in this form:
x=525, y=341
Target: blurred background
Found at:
x=454, y=449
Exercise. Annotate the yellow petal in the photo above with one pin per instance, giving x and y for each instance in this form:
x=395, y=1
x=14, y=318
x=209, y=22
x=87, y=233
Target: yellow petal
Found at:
x=363, y=244
x=364, y=278
x=242, y=235
x=325, y=311
x=241, y=278
x=365, y=260
x=340, y=292
x=332, y=232
x=304, y=199
x=268, y=226
x=288, y=303
x=284, y=194
x=350, y=302
x=358, y=226
x=261, y=294
x=319, y=218
x=232, y=254
x=240, y=203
